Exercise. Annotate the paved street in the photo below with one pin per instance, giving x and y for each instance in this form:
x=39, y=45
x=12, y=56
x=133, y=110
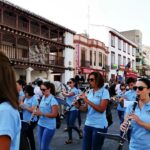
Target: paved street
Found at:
x=61, y=136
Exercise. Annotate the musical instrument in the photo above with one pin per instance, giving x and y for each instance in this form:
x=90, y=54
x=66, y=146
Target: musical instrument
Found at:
x=122, y=138
x=33, y=115
x=76, y=98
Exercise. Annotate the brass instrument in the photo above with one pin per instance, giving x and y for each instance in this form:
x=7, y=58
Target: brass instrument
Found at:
x=77, y=98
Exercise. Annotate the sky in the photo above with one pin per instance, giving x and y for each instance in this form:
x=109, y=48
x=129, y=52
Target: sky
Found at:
x=80, y=15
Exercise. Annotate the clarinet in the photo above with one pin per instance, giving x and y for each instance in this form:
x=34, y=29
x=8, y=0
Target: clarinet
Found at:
x=32, y=115
x=120, y=147
x=77, y=98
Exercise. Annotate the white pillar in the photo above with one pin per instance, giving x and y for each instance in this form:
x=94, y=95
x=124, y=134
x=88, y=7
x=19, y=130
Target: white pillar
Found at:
x=49, y=75
x=28, y=74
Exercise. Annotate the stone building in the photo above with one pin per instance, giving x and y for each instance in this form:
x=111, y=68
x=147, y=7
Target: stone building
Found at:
x=35, y=46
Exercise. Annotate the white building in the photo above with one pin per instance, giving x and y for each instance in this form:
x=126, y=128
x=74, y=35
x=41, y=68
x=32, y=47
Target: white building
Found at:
x=121, y=50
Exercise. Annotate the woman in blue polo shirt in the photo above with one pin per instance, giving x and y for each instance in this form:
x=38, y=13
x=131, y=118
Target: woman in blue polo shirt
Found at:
x=29, y=106
x=47, y=113
x=73, y=112
x=10, y=124
x=140, y=124
x=95, y=103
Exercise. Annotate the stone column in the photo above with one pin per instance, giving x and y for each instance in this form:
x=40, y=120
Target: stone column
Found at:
x=49, y=75
x=28, y=74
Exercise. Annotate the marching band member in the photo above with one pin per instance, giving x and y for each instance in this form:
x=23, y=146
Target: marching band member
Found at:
x=73, y=112
x=48, y=110
x=95, y=103
x=10, y=124
x=140, y=119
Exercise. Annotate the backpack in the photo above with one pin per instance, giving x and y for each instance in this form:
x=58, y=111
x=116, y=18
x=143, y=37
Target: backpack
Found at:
x=58, y=121
x=108, y=112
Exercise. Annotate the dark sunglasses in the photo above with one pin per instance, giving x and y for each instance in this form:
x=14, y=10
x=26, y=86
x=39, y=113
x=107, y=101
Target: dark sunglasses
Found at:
x=140, y=88
x=123, y=88
x=69, y=82
x=43, y=90
x=90, y=79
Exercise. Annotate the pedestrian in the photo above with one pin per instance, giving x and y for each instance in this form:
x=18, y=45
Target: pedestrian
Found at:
x=29, y=106
x=73, y=112
x=10, y=124
x=140, y=118
x=95, y=103
x=48, y=110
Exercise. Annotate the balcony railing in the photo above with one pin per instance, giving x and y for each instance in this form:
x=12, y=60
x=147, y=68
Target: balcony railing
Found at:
x=23, y=55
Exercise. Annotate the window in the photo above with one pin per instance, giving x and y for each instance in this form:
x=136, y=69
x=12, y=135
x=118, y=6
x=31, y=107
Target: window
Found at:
x=100, y=59
x=95, y=58
x=119, y=59
x=124, y=46
x=128, y=48
x=128, y=60
x=90, y=58
x=112, y=40
x=112, y=59
x=133, y=66
x=124, y=60
x=133, y=51
x=119, y=44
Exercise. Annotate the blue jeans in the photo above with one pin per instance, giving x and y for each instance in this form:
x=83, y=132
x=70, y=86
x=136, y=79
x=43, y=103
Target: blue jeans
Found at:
x=71, y=119
x=91, y=139
x=45, y=136
x=121, y=116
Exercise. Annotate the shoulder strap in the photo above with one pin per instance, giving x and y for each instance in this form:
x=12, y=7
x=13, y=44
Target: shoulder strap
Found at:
x=3, y=100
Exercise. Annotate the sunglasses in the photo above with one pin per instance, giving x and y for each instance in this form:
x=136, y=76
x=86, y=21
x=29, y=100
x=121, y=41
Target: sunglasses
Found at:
x=123, y=88
x=90, y=79
x=69, y=82
x=43, y=90
x=140, y=88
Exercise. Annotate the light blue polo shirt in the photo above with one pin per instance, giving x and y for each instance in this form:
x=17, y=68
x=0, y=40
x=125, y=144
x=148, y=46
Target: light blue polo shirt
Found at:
x=130, y=95
x=21, y=94
x=119, y=107
x=46, y=107
x=94, y=118
x=32, y=101
x=10, y=124
x=70, y=99
x=140, y=137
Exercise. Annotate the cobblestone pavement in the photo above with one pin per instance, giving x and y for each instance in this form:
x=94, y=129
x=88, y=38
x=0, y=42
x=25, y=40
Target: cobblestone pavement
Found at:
x=61, y=136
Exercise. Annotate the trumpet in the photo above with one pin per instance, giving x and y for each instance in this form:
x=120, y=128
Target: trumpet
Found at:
x=77, y=99
x=120, y=147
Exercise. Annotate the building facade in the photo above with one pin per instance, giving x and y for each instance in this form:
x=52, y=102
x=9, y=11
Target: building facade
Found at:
x=90, y=55
x=121, y=50
x=35, y=46
x=136, y=37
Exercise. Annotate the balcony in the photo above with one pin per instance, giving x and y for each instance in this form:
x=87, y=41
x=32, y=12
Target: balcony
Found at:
x=85, y=63
x=23, y=55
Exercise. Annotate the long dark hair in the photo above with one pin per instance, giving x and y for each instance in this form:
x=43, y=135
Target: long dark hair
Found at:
x=98, y=78
x=50, y=86
x=8, y=89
